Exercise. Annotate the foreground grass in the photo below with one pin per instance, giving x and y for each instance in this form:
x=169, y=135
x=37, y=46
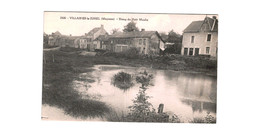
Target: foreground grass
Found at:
x=207, y=119
x=59, y=70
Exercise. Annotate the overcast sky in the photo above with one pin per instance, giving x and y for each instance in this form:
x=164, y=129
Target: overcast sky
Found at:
x=156, y=22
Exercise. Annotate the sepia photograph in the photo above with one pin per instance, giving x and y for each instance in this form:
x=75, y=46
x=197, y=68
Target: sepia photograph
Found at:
x=130, y=67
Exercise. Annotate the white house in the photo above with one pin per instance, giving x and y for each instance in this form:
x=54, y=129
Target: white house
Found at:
x=201, y=38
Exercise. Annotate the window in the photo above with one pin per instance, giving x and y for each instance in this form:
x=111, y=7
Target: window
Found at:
x=124, y=48
x=207, y=50
x=88, y=47
x=209, y=37
x=120, y=48
x=143, y=51
x=191, y=52
x=140, y=41
x=192, y=39
x=144, y=42
x=197, y=51
x=185, y=51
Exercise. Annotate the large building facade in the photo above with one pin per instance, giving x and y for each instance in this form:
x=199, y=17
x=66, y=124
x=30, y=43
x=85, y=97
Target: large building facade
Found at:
x=147, y=42
x=201, y=38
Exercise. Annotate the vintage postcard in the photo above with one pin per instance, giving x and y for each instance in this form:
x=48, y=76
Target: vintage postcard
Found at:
x=130, y=67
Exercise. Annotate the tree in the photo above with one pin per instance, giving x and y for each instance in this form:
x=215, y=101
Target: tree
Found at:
x=131, y=27
x=164, y=36
x=141, y=107
x=115, y=30
x=174, y=37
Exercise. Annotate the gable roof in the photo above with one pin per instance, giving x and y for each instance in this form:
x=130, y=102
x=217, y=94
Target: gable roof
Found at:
x=94, y=30
x=195, y=26
x=135, y=34
x=102, y=37
x=57, y=33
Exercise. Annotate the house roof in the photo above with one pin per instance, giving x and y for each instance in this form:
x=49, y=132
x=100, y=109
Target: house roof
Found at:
x=57, y=33
x=102, y=37
x=135, y=34
x=94, y=30
x=195, y=26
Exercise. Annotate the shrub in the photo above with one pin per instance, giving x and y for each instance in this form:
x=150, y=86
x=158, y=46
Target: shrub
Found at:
x=132, y=52
x=122, y=80
x=207, y=119
x=144, y=78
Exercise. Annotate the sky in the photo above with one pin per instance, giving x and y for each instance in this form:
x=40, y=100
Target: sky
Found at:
x=79, y=23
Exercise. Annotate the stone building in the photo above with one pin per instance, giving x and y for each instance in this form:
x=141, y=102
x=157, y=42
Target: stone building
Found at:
x=201, y=38
x=147, y=42
x=87, y=41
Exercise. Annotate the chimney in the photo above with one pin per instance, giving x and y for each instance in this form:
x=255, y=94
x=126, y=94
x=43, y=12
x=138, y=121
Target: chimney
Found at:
x=215, y=18
x=102, y=26
x=142, y=29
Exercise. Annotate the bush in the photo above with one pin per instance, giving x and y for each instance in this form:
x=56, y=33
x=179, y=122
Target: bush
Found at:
x=144, y=78
x=122, y=80
x=131, y=53
x=207, y=119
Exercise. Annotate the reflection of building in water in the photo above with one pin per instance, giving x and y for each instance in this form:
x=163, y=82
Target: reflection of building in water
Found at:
x=197, y=87
x=200, y=105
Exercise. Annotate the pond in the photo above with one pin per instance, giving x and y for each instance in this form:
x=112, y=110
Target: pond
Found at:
x=188, y=95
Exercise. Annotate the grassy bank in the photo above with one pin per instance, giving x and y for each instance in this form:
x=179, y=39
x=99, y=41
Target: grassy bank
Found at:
x=172, y=62
x=59, y=70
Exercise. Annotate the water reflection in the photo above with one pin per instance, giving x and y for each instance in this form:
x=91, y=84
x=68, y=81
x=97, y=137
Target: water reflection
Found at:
x=184, y=94
x=199, y=106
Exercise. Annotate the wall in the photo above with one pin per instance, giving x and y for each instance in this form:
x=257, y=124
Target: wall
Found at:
x=148, y=46
x=143, y=46
x=200, y=41
x=154, y=45
x=83, y=43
